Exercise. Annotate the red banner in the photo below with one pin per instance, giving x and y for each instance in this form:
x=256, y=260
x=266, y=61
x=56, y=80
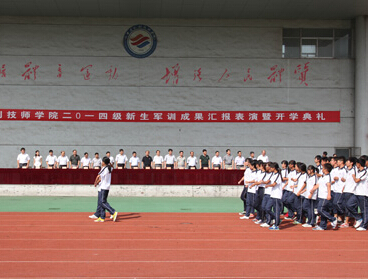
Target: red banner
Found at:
x=168, y=116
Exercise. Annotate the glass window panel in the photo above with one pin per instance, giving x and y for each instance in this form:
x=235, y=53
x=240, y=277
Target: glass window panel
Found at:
x=325, y=48
x=317, y=32
x=291, y=48
x=309, y=48
x=342, y=47
x=291, y=32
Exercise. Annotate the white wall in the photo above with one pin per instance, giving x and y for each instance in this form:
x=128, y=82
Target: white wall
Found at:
x=212, y=45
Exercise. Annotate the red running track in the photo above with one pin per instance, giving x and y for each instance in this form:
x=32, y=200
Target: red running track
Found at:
x=173, y=245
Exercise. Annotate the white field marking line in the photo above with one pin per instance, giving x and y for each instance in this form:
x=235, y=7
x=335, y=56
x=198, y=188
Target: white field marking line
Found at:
x=176, y=239
x=200, y=261
x=185, y=249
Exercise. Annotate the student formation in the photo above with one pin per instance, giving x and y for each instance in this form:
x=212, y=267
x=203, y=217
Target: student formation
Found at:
x=333, y=190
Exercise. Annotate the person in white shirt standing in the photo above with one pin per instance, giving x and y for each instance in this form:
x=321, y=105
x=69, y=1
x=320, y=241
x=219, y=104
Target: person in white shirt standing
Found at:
x=85, y=161
x=51, y=160
x=23, y=159
x=239, y=161
x=63, y=161
x=216, y=161
x=158, y=160
x=192, y=161
x=169, y=160
x=263, y=157
x=108, y=154
x=134, y=161
x=96, y=161
x=103, y=180
x=121, y=160
x=37, y=160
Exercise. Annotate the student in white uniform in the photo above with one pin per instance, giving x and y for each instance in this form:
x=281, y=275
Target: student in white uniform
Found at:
x=289, y=198
x=96, y=161
x=251, y=193
x=276, y=195
x=239, y=161
x=169, y=160
x=51, y=160
x=121, y=160
x=103, y=180
x=158, y=160
x=23, y=159
x=85, y=161
x=359, y=198
x=134, y=161
x=310, y=198
x=301, y=168
x=243, y=195
x=216, y=161
x=192, y=161
x=37, y=160
x=261, y=174
x=349, y=189
x=267, y=197
x=63, y=161
x=324, y=199
x=340, y=180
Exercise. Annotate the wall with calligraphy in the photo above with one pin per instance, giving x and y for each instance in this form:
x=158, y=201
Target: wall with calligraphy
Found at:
x=225, y=66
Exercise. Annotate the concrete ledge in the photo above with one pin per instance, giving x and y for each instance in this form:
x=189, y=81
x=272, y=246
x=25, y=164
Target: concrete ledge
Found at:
x=122, y=190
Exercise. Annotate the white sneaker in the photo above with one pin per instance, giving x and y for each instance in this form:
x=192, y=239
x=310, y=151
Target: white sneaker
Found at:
x=361, y=229
x=273, y=222
x=244, y=218
x=93, y=217
x=242, y=213
x=112, y=216
x=306, y=225
x=258, y=222
x=358, y=223
x=265, y=225
x=334, y=223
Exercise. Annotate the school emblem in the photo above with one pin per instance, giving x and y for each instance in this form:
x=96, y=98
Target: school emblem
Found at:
x=140, y=41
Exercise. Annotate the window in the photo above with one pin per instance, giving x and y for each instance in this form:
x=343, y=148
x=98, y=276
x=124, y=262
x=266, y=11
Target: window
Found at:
x=313, y=42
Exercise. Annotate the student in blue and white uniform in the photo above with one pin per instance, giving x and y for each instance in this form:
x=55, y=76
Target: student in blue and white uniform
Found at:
x=266, y=204
x=276, y=195
x=310, y=198
x=103, y=180
x=284, y=173
x=261, y=174
x=288, y=200
x=324, y=202
x=338, y=187
x=251, y=190
x=349, y=189
x=298, y=189
x=243, y=195
x=359, y=198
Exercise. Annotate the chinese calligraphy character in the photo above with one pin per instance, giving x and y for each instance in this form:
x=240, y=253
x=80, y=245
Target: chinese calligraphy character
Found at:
x=239, y=116
x=39, y=115
x=86, y=75
x=130, y=116
x=302, y=74
x=307, y=116
x=320, y=117
x=198, y=117
x=12, y=115
x=171, y=116
x=276, y=74
x=212, y=116
x=253, y=116
x=25, y=114
x=53, y=115
x=102, y=116
x=293, y=116
x=59, y=71
x=31, y=70
x=266, y=116
x=225, y=116
x=227, y=75
x=144, y=117
x=280, y=116
x=249, y=76
x=2, y=71
x=116, y=116
x=157, y=116
x=174, y=74
x=197, y=74
x=185, y=117
x=113, y=73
